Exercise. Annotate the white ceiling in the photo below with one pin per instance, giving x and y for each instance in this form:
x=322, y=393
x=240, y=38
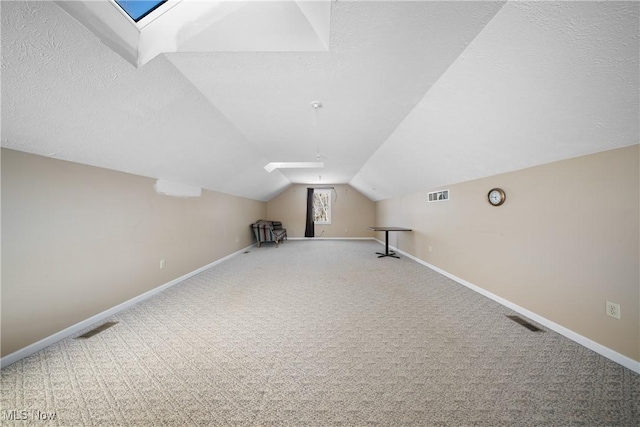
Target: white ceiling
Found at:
x=415, y=95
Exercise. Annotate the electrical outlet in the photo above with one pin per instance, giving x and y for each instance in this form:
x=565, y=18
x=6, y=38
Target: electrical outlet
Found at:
x=162, y=263
x=613, y=309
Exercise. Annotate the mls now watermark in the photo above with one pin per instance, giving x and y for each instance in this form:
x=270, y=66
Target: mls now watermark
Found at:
x=26, y=415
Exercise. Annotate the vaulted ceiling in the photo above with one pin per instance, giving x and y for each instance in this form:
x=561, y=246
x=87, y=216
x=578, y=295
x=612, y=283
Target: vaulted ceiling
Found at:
x=415, y=95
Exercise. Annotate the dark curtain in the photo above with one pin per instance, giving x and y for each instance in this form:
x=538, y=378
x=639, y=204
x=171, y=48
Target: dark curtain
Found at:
x=310, y=230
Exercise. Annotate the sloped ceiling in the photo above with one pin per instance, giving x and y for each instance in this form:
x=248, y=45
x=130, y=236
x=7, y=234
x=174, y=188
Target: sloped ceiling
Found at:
x=415, y=95
x=542, y=82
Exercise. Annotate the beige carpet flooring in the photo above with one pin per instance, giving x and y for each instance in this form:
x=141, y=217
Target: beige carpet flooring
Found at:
x=319, y=333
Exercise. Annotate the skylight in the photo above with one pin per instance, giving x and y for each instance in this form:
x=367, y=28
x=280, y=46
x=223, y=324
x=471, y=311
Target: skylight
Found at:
x=138, y=9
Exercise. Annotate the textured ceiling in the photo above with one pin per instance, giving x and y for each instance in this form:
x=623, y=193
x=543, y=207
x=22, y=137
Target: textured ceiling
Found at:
x=416, y=95
x=542, y=82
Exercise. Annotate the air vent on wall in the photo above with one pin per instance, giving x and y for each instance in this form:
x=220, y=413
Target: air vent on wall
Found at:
x=439, y=196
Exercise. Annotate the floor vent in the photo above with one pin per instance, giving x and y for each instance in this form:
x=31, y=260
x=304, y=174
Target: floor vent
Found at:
x=524, y=323
x=98, y=330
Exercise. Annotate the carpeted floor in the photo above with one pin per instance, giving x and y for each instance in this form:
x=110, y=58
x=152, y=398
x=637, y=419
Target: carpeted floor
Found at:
x=319, y=333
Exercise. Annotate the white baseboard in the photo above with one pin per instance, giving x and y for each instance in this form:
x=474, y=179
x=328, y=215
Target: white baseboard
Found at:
x=52, y=339
x=330, y=238
x=613, y=355
x=610, y=354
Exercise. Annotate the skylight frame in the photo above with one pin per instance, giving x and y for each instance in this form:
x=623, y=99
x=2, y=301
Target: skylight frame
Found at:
x=270, y=167
x=149, y=17
x=158, y=3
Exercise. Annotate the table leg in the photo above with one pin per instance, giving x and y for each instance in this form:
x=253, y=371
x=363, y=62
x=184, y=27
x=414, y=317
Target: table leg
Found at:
x=386, y=242
x=386, y=247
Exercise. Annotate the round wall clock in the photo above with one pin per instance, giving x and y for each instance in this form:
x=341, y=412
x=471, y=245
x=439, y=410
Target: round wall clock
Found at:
x=496, y=196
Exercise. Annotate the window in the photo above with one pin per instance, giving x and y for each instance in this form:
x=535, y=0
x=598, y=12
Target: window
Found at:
x=138, y=9
x=322, y=206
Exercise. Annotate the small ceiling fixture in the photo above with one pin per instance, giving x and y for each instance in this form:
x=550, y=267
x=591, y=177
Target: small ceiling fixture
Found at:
x=316, y=104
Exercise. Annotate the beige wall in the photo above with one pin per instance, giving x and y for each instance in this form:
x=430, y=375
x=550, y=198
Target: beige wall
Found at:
x=565, y=241
x=351, y=212
x=78, y=240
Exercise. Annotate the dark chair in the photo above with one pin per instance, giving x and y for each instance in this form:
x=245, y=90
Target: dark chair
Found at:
x=269, y=231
